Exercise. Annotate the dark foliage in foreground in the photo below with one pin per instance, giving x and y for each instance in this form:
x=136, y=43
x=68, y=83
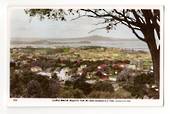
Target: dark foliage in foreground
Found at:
x=95, y=80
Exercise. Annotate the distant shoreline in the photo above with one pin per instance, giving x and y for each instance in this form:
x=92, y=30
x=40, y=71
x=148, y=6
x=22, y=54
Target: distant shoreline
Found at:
x=57, y=47
x=98, y=37
x=129, y=44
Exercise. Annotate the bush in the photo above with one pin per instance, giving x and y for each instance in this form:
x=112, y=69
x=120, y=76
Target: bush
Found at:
x=138, y=88
x=16, y=87
x=66, y=50
x=100, y=94
x=82, y=85
x=68, y=83
x=103, y=86
x=122, y=93
x=42, y=81
x=71, y=93
x=144, y=79
x=53, y=88
x=18, y=82
x=26, y=76
x=78, y=93
x=137, y=91
x=34, y=89
x=66, y=94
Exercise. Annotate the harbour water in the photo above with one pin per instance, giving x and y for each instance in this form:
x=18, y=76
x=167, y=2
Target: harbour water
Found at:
x=133, y=44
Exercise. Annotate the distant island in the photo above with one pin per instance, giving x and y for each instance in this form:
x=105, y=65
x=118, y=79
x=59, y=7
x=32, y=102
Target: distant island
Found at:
x=94, y=40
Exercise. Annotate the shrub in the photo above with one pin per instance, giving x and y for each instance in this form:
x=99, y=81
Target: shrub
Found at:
x=103, y=86
x=34, y=89
x=68, y=83
x=122, y=93
x=53, y=88
x=66, y=50
x=71, y=93
x=44, y=83
x=136, y=91
x=138, y=88
x=144, y=79
x=26, y=76
x=78, y=93
x=82, y=85
x=15, y=85
x=100, y=94
x=66, y=94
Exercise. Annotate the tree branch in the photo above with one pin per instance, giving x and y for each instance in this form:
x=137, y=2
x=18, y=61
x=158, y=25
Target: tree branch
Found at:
x=96, y=29
x=125, y=19
x=133, y=30
x=138, y=18
x=139, y=37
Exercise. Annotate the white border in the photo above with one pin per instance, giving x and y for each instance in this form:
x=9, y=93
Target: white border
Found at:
x=22, y=102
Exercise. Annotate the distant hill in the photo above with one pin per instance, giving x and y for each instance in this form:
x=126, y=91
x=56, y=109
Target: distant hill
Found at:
x=87, y=39
x=92, y=38
x=130, y=43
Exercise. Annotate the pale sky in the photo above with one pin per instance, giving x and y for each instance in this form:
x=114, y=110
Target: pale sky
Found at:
x=21, y=27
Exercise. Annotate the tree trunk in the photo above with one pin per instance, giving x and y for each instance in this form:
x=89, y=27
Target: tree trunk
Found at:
x=155, y=54
x=156, y=65
x=150, y=39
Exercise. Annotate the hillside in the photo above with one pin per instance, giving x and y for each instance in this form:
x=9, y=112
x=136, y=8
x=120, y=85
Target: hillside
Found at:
x=56, y=40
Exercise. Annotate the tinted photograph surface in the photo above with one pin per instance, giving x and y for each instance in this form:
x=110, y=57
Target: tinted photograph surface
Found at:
x=85, y=53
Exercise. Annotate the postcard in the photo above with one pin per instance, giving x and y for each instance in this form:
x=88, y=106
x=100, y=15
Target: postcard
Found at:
x=85, y=56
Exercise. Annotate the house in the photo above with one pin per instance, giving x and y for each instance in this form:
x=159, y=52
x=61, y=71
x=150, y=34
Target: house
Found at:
x=36, y=69
x=118, y=67
x=45, y=74
x=63, y=74
x=102, y=67
x=102, y=75
x=130, y=66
